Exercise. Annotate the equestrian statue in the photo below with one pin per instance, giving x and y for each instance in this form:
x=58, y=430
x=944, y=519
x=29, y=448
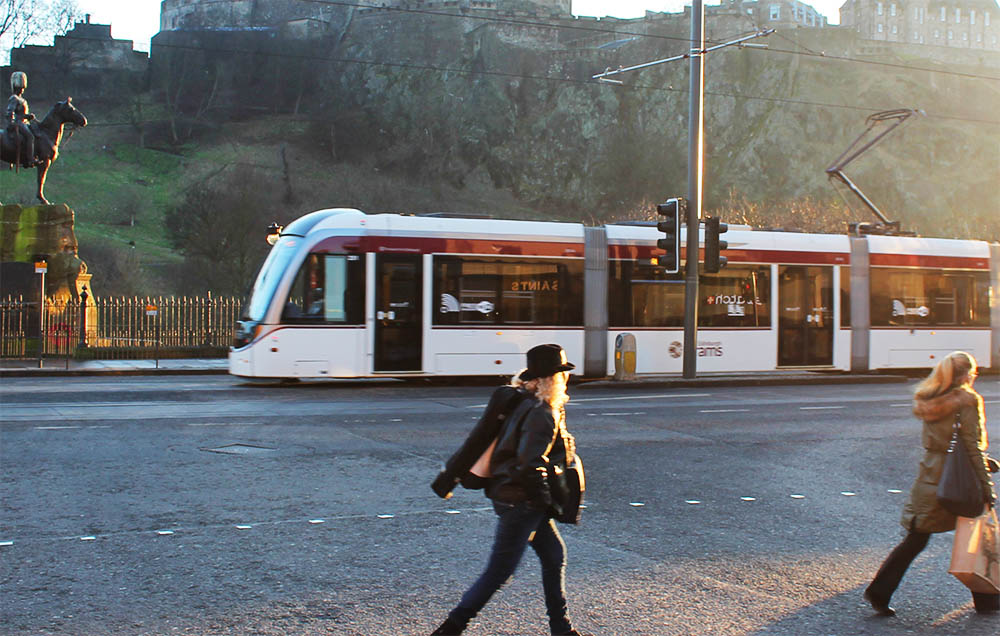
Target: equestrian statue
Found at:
x=28, y=143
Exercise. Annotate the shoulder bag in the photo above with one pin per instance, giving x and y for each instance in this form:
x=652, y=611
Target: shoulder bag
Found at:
x=958, y=490
x=567, y=487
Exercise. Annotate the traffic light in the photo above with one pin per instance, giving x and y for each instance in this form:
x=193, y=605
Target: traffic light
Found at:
x=713, y=228
x=671, y=211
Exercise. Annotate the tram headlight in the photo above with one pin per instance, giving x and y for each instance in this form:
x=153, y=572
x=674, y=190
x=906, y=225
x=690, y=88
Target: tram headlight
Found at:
x=245, y=333
x=273, y=233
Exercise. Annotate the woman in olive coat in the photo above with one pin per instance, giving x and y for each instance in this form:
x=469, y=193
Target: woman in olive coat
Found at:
x=946, y=393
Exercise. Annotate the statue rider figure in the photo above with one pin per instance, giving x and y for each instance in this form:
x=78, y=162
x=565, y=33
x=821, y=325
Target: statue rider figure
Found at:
x=18, y=114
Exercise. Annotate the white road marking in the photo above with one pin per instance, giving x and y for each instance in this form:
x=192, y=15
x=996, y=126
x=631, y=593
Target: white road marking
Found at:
x=626, y=397
x=820, y=408
x=637, y=397
x=724, y=411
x=54, y=428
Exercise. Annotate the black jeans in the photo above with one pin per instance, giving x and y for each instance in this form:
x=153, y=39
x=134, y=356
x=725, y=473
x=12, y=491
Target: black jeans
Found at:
x=896, y=564
x=517, y=527
x=891, y=573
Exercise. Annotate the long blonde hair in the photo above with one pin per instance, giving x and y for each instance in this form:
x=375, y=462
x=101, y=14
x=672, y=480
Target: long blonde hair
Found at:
x=955, y=369
x=551, y=389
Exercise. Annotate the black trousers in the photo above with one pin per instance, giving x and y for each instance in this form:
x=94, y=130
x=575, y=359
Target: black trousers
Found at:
x=894, y=567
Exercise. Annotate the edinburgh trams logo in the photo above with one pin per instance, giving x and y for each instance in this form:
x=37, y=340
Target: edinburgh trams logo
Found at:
x=450, y=304
x=676, y=349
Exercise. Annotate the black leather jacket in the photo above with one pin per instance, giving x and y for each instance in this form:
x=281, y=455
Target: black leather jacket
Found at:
x=529, y=446
x=456, y=469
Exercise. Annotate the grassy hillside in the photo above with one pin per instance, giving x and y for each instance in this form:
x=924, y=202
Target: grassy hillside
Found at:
x=122, y=194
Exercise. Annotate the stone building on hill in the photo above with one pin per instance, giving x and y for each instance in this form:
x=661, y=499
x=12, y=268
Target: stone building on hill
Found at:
x=966, y=24
x=85, y=63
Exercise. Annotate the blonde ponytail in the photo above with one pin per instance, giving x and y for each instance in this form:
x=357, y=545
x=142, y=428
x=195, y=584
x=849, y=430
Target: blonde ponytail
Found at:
x=957, y=368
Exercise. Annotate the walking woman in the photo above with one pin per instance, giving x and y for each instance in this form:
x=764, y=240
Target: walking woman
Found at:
x=532, y=442
x=946, y=393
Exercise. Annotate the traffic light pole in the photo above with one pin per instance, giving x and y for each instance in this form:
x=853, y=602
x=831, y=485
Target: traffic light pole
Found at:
x=696, y=162
x=696, y=146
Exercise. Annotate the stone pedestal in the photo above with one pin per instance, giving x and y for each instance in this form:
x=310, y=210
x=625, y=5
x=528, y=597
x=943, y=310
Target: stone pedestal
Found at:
x=41, y=231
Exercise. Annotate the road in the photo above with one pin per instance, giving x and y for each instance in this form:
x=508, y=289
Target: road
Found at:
x=201, y=505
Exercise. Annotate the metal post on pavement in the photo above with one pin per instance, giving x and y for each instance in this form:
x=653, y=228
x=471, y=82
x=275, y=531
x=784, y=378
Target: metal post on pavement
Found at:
x=696, y=124
x=153, y=311
x=83, y=318
x=40, y=268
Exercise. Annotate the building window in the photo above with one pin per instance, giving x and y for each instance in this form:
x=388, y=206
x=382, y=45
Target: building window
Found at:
x=986, y=18
x=965, y=36
x=937, y=33
x=894, y=29
x=878, y=8
x=892, y=9
x=879, y=27
x=944, y=14
x=972, y=16
x=951, y=34
x=958, y=16
x=775, y=11
x=916, y=36
x=979, y=37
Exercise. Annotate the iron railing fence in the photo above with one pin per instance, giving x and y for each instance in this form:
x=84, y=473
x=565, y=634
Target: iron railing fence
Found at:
x=122, y=327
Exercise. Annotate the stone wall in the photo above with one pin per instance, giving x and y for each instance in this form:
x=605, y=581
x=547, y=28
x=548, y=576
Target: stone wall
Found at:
x=86, y=63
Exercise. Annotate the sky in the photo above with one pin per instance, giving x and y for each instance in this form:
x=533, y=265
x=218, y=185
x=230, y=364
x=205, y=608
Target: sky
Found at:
x=139, y=20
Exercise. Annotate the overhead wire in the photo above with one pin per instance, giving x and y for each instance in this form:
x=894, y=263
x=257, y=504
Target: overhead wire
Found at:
x=826, y=56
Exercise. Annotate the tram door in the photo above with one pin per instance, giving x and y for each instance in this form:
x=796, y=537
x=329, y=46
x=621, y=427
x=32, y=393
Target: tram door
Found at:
x=398, y=327
x=805, y=319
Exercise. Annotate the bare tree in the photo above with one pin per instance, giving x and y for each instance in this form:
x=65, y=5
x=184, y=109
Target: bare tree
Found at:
x=24, y=20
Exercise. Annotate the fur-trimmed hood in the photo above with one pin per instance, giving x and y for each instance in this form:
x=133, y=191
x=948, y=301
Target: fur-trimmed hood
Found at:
x=947, y=404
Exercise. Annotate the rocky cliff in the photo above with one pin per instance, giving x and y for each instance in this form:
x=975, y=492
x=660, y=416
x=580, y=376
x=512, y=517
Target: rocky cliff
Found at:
x=509, y=104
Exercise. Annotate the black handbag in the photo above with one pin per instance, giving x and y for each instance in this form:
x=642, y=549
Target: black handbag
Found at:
x=567, y=486
x=958, y=490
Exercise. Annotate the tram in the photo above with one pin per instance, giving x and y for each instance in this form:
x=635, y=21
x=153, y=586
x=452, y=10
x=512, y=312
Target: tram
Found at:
x=344, y=294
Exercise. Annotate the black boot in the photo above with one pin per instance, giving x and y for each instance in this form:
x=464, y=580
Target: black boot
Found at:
x=880, y=605
x=986, y=603
x=449, y=628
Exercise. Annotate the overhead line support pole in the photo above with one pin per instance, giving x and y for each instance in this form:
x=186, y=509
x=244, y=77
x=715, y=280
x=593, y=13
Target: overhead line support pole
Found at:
x=696, y=124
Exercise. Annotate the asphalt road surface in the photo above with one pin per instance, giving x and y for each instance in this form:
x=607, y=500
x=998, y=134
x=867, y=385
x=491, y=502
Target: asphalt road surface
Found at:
x=200, y=505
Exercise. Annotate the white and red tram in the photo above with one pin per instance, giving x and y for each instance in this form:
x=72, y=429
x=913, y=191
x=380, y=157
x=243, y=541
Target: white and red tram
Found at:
x=346, y=294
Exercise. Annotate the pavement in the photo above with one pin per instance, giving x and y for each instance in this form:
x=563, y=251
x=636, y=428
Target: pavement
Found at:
x=220, y=366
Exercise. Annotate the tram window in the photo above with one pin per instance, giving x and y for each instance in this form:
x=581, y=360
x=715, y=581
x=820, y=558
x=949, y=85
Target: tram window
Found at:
x=501, y=291
x=929, y=297
x=845, y=297
x=329, y=288
x=738, y=296
x=642, y=295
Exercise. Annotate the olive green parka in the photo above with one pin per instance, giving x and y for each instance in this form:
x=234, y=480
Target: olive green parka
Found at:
x=921, y=513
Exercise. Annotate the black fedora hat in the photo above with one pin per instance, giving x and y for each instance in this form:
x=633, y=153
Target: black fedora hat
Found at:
x=545, y=360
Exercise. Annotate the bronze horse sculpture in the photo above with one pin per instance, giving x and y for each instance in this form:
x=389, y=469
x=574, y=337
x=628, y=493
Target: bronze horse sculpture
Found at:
x=48, y=134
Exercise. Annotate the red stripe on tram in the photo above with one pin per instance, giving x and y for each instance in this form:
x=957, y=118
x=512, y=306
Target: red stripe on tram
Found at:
x=929, y=261
x=631, y=252
x=447, y=245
